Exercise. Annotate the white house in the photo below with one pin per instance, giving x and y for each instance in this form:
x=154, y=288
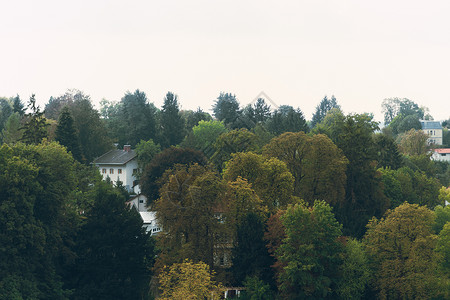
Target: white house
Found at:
x=120, y=165
x=150, y=224
x=442, y=154
x=434, y=131
x=138, y=202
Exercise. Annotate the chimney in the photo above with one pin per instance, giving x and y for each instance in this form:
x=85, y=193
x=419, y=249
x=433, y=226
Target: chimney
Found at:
x=127, y=148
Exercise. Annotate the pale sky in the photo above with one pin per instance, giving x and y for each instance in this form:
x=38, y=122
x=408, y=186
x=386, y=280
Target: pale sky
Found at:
x=295, y=51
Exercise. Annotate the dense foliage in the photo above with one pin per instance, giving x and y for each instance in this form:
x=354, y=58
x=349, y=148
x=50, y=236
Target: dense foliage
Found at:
x=257, y=198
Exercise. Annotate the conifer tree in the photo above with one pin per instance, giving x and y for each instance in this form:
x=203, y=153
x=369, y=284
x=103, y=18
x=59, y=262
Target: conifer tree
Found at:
x=172, y=125
x=67, y=135
x=35, y=128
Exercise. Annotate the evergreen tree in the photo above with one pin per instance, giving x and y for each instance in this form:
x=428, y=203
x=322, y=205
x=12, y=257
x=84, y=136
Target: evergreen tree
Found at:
x=5, y=111
x=113, y=251
x=250, y=255
x=66, y=134
x=18, y=106
x=136, y=119
x=172, y=125
x=287, y=119
x=35, y=127
x=11, y=134
x=322, y=109
x=226, y=109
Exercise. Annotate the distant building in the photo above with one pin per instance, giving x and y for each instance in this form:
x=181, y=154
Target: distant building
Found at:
x=150, y=224
x=434, y=131
x=442, y=154
x=120, y=165
x=138, y=202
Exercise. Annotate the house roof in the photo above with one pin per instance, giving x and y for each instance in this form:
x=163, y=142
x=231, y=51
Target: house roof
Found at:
x=148, y=216
x=442, y=150
x=430, y=124
x=115, y=157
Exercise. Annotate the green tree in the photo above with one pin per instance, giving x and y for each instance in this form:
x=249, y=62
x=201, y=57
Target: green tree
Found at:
x=192, y=118
x=146, y=151
x=364, y=196
x=259, y=112
x=205, y=134
x=139, y=118
x=442, y=217
x=393, y=107
x=113, y=251
x=5, y=111
x=35, y=127
x=387, y=151
x=250, y=255
x=187, y=211
x=188, y=280
x=91, y=130
x=269, y=177
x=166, y=159
x=400, y=248
x=311, y=252
x=238, y=140
x=38, y=222
x=67, y=135
x=172, y=125
x=226, y=109
x=443, y=251
x=354, y=271
x=322, y=110
x=256, y=289
x=318, y=166
x=11, y=134
x=18, y=106
x=413, y=142
x=287, y=119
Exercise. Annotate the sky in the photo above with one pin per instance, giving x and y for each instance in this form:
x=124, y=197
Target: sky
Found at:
x=296, y=52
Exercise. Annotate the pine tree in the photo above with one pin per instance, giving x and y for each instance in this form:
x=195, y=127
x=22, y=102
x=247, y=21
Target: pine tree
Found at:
x=322, y=109
x=35, y=127
x=172, y=125
x=67, y=135
x=18, y=106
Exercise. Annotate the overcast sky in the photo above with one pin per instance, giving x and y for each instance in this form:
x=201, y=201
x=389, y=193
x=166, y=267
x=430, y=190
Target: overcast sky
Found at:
x=295, y=51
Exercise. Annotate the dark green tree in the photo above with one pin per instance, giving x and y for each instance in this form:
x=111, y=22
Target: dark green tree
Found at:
x=238, y=140
x=364, y=194
x=5, y=111
x=67, y=135
x=287, y=119
x=250, y=255
x=91, y=130
x=226, y=109
x=259, y=112
x=387, y=152
x=167, y=159
x=113, y=251
x=322, y=110
x=172, y=125
x=35, y=127
x=137, y=119
x=12, y=132
x=18, y=106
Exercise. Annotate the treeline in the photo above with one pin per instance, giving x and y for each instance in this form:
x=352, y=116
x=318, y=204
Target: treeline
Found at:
x=328, y=208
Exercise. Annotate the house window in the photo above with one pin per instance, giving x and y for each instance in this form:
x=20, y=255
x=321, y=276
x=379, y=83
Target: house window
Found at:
x=103, y=171
x=111, y=171
x=119, y=171
x=141, y=201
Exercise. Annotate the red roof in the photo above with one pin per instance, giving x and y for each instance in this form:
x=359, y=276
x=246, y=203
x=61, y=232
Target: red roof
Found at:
x=442, y=150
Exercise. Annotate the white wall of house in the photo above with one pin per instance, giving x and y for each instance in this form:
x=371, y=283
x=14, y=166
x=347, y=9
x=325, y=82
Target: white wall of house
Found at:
x=139, y=203
x=435, y=136
x=441, y=156
x=124, y=173
x=150, y=224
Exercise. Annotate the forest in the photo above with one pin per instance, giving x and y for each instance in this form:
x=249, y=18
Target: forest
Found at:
x=257, y=198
